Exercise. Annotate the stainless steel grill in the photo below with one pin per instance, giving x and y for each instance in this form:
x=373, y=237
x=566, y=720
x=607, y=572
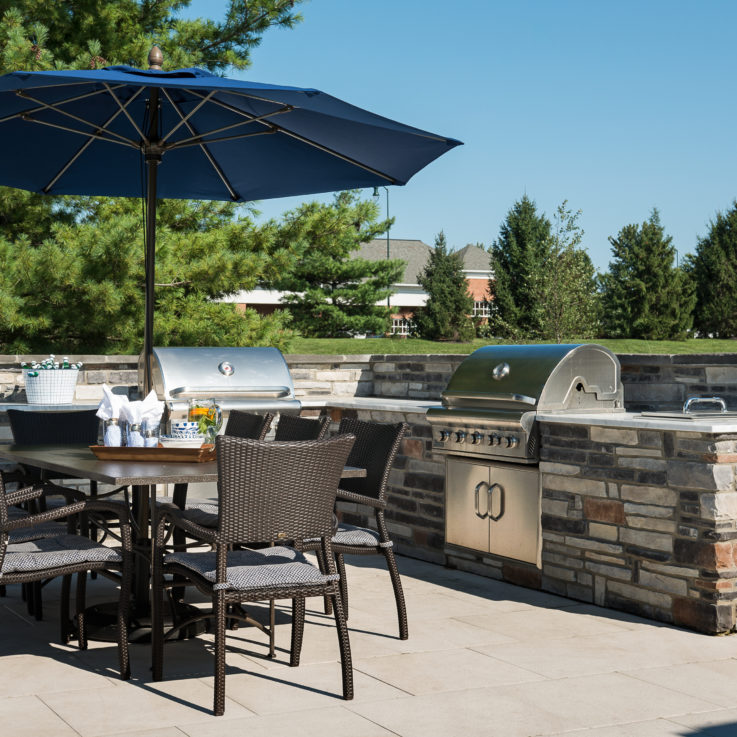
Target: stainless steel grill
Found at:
x=251, y=379
x=487, y=430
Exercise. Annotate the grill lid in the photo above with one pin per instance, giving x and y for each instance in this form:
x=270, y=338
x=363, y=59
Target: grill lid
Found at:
x=235, y=376
x=521, y=378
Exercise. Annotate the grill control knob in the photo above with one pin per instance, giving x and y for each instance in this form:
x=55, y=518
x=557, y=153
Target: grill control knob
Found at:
x=460, y=436
x=476, y=438
x=512, y=442
x=495, y=439
x=444, y=435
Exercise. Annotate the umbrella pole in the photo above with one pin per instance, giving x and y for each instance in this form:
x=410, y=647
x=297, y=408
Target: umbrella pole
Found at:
x=153, y=159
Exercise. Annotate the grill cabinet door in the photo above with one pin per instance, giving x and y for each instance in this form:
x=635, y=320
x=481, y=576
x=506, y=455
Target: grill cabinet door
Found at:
x=514, y=512
x=466, y=513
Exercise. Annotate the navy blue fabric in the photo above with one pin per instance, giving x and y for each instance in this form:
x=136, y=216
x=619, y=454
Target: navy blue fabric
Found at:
x=317, y=143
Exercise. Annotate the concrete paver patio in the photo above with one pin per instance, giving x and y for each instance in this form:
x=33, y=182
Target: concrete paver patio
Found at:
x=483, y=658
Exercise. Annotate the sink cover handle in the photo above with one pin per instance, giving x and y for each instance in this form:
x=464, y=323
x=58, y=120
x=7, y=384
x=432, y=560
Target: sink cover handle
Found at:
x=704, y=400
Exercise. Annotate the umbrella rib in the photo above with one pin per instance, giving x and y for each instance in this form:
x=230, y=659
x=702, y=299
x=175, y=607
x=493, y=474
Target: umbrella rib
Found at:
x=125, y=112
x=197, y=142
x=88, y=142
x=258, y=119
x=97, y=135
x=204, y=148
x=76, y=98
x=319, y=146
x=184, y=118
x=49, y=106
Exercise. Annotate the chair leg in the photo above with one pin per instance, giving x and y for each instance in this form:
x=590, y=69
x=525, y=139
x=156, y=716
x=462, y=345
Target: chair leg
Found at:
x=398, y=593
x=2, y=591
x=157, y=621
x=298, y=629
x=345, y=647
x=219, y=611
x=123, y=615
x=80, y=604
x=340, y=563
x=38, y=609
x=66, y=625
x=322, y=564
x=272, y=628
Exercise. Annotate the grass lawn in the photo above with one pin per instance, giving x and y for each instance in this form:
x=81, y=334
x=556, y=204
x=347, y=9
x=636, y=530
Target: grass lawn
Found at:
x=338, y=346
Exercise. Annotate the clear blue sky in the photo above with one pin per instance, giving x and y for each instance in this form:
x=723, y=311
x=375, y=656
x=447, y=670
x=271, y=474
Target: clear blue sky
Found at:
x=617, y=107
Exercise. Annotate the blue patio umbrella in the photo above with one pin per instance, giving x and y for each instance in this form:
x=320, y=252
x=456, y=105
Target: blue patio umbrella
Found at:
x=199, y=136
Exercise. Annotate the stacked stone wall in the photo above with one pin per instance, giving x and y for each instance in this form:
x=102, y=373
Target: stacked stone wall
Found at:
x=641, y=520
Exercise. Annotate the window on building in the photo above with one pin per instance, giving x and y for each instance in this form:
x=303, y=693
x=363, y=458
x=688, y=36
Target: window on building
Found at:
x=401, y=326
x=481, y=309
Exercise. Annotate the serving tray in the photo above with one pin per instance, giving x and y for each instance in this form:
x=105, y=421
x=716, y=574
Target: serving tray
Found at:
x=203, y=454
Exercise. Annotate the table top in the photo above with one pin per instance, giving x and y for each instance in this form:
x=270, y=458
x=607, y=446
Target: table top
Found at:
x=79, y=461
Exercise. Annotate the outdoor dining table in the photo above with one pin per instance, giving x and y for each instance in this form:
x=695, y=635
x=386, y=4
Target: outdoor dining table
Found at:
x=79, y=462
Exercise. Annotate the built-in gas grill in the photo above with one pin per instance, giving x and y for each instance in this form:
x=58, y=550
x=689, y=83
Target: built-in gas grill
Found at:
x=487, y=430
x=251, y=379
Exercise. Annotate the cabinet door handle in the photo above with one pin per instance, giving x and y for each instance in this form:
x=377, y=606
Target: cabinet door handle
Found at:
x=490, y=496
x=476, y=494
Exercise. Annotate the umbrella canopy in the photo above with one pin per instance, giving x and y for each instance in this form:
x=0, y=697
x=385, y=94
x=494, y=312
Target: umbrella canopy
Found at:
x=200, y=136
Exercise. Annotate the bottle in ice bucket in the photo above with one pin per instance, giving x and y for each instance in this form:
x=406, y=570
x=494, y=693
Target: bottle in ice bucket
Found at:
x=207, y=414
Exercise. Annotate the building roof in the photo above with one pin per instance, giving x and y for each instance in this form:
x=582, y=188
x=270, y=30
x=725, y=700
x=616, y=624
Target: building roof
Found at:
x=474, y=258
x=414, y=253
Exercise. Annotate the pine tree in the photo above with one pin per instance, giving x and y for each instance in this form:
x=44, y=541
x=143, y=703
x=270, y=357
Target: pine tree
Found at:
x=714, y=272
x=445, y=316
x=516, y=259
x=73, y=266
x=567, y=302
x=643, y=294
x=334, y=293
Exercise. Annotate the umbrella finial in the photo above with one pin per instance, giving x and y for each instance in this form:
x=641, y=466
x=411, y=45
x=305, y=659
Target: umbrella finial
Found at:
x=155, y=58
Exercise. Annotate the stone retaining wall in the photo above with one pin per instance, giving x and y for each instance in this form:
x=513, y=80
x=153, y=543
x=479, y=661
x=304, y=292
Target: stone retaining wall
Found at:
x=641, y=520
x=650, y=381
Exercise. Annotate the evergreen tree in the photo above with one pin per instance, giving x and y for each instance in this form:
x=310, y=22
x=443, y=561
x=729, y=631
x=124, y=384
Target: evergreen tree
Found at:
x=80, y=289
x=566, y=284
x=334, y=293
x=73, y=276
x=643, y=294
x=445, y=315
x=714, y=273
x=516, y=259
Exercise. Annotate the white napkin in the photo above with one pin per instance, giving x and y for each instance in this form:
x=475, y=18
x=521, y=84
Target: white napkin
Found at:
x=146, y=412
x=110, y=407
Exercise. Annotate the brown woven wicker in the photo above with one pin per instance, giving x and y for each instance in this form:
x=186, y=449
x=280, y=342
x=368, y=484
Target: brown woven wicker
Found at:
x=34, y=573
x=375, y=449
x=294, y=427
x=275, y=492
x=248, y=425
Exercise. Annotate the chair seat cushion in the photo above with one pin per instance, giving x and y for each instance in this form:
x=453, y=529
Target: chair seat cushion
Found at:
x=360, y=537
x=200, y=511
x=52, y=552
x=48, y=529
x=278, y=567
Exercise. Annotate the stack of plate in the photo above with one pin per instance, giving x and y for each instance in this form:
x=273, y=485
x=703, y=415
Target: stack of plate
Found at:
x=170, y=442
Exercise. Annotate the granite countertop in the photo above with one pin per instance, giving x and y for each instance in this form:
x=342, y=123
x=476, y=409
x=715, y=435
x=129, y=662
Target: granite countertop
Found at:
x=379, y=404
x=637, y=420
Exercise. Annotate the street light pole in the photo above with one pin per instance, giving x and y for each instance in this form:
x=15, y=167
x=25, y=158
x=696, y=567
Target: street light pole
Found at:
x=388, y=228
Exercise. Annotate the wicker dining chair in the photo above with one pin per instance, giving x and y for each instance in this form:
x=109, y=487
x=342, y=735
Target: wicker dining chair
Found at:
x=242, y=424
x=37, y=427
x=375, y=449
x=28, y=559
x=294, y=427
x=269, y=491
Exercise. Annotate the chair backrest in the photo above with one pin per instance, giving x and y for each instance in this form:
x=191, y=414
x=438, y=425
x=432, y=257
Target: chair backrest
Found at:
x=269, y=491
x=293, y=427
x=248, y=425
x=73, y=427
x=375, y=449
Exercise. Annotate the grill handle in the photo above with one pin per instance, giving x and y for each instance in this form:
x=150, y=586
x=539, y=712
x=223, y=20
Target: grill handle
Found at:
x=485, y=396
x=495, y=517
x=476, y=494
x=265, y=392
